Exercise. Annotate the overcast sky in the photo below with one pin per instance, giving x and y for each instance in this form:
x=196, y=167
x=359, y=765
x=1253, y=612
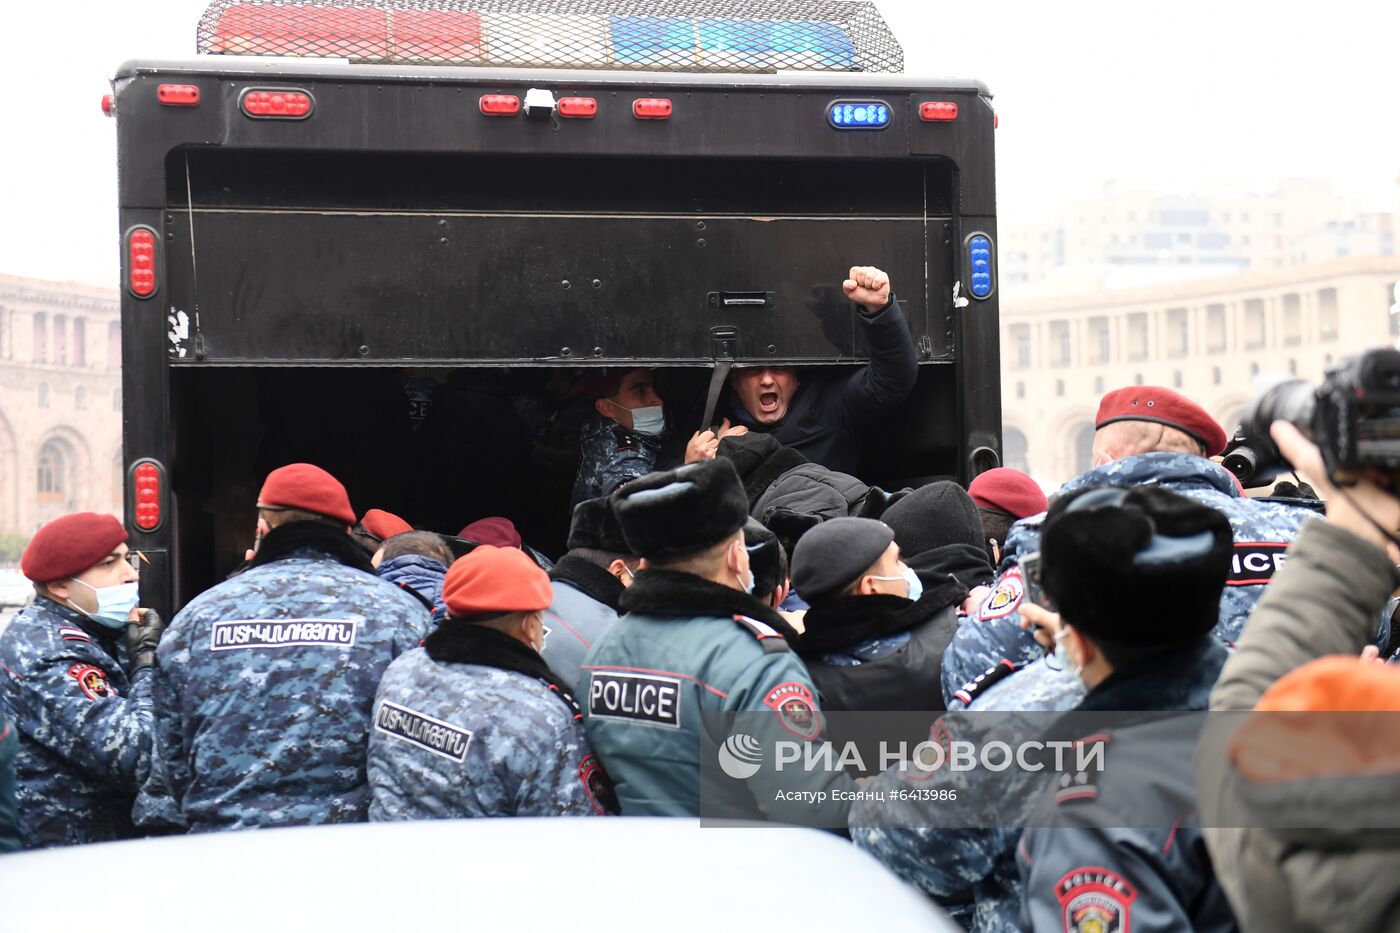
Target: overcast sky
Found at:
x=1178, y=97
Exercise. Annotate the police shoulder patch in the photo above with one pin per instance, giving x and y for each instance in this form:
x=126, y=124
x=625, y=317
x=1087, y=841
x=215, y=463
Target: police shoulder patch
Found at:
x=796, y=708
x=770, y=638
x=597, y=786
x=1095, y=900
x=92, y=681
x=71, y=633
x=1004, y=598
x=994, y=674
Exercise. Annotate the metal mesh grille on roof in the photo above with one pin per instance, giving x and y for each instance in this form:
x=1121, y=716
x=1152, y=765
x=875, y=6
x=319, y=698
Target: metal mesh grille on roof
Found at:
x=649, y=35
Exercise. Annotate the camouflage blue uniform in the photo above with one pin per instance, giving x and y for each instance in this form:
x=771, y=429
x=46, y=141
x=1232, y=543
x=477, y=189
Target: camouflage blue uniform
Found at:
x=610, y=455
x=1262, y=530
x=457, y=740
x=9, y=813
x=84, y=728
x=264, y=690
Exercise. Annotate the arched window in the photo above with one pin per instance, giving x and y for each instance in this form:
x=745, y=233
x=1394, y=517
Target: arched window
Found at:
x=41, y=337
x=52, y=466
x=79, y=341
x=1014, y=450
x=1084, y=448
x=43, y=395
x=80, y=398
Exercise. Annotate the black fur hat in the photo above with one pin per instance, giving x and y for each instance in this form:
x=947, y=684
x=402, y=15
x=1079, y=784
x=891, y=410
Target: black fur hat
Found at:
x=594, y=526
x=682, y=511
x=1137, y=567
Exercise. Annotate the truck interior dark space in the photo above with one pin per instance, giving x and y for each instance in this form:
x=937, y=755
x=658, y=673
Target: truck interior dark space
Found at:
x=492, y=441
x=413, y=322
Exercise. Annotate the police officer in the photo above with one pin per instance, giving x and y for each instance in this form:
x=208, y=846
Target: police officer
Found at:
x=587, y=583
x=693, y=645
x=1121, y=849
x=1147, y=435
x=475, y=723
x=74, y=690
x=266, y=681
x=622, y=438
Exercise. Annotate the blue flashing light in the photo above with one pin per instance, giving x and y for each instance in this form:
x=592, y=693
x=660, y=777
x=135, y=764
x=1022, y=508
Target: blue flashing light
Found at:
x=979, y=262
x=858, y=114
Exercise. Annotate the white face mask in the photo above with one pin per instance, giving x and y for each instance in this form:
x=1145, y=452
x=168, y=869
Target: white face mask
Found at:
x=1062, y=654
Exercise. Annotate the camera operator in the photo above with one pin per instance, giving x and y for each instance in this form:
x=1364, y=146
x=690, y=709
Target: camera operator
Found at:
x=1336, y=868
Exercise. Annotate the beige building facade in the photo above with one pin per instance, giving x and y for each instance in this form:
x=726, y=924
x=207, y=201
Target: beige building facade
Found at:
x=60, y=402
x=1215, y=340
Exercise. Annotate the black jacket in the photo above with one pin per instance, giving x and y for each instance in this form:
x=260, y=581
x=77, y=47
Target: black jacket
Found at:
x=827, y=414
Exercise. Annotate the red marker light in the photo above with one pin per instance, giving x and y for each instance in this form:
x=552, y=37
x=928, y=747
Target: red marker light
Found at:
x=578, y=107
x=141, y=262
x=107, y=106
x=651, y=108
x=178, y=95
x=938, y=111
x=146, y=495
x=276, y=103
x=500, y=105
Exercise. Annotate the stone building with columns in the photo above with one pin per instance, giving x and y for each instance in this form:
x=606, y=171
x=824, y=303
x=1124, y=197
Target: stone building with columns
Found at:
x=60, y=402
x=1212, y=339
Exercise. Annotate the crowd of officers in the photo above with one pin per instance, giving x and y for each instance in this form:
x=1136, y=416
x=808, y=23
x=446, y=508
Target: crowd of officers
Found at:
x=350, y=670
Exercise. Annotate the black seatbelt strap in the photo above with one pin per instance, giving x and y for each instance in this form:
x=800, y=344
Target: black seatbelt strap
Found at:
x=717, y=379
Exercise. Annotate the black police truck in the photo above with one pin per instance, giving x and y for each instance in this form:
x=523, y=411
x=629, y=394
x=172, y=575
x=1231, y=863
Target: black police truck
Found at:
x=387, y=239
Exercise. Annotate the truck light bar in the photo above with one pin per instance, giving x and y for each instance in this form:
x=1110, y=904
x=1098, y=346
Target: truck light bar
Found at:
x=141, y=262
x=581, y=108
x=651, y=108
x=938, y=111
x=276, y=103
x=178, y=95
x=500, y=105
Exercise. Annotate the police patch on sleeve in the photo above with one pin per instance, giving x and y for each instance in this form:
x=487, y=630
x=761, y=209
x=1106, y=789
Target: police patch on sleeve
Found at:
x=1095, y=900
x=1255, y=562
x=434, y=735
x=92, y=681
x=649, y=699
x=796, y=709
x=597, y=786
x=1003, y=600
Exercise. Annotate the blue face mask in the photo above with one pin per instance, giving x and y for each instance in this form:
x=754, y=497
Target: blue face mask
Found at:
x=748, y=587
x=114, y=603
x=649, y=420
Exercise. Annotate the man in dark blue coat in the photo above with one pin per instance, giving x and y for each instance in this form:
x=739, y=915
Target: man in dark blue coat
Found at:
x=823, y=418
x=266, y=682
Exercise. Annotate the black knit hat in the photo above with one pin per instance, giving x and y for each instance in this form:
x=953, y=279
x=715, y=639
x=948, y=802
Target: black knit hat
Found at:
x=934, y=516
x=681, y=512
x=832, y=555
x=594, y=526
x=1138, y=567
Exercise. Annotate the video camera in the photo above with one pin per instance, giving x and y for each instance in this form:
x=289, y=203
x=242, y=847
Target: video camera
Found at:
x=1353, y=417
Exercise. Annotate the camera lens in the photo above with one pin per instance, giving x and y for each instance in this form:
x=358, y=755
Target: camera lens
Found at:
x=1293, y=401
x=1241, y=461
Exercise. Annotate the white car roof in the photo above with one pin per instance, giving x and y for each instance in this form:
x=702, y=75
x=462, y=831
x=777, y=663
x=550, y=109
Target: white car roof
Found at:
x=518, y=874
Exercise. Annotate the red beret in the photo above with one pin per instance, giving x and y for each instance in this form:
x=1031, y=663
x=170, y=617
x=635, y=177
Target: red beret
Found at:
x=1162, y=406
x=307, y=487
x=495, y=530
x=67, y=546
x=493, y=581
x=384, y=524
x=1009, y=490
